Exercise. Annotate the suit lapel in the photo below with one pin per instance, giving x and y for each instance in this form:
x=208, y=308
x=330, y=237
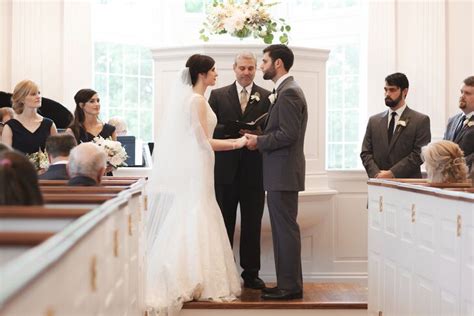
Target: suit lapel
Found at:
x=463, y=130
x=233, y=98
x=278, y=91
x=399, y=128
x=383, y=126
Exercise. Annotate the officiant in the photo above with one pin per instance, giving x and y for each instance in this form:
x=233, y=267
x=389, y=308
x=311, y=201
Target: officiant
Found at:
x=238, y=173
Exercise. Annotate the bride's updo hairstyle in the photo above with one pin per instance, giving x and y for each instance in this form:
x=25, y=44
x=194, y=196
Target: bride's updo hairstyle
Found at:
x=199, y=64
x=444, y=162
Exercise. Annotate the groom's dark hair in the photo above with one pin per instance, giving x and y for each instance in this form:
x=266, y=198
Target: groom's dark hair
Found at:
x=283, y=52
x=199, y=64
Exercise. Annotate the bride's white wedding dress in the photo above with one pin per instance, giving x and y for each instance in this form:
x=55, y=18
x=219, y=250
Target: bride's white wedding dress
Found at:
x=188, y=251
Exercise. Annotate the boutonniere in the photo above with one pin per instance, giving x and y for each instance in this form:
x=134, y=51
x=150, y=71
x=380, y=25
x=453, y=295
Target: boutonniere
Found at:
x=469, y=123
x=272, y=97
x=402, y=123
x=255, y=97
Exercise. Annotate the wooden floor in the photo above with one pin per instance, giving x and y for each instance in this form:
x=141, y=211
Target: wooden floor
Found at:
x=315, y=296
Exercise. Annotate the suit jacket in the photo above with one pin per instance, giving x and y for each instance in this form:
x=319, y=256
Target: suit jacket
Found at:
x=402, y=155
x=226, y=105
x=282, y=143
x=465, y=138
x=82, y=181
x=55, y=172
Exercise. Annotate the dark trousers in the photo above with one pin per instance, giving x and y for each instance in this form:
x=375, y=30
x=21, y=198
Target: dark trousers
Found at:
x=283, y=209
x=252, y=200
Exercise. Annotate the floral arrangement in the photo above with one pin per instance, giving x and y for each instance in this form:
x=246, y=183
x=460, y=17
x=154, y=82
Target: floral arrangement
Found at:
x=115, y=152
x=242, y=19
x=39, y=159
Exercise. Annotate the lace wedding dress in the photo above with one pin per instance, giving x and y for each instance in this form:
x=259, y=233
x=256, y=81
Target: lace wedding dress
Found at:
x=188, y=251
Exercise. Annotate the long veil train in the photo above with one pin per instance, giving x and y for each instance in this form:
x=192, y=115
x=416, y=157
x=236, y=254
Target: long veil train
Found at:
x=188, y=252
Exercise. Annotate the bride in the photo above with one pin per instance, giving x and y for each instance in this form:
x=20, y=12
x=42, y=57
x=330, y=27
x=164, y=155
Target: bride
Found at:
x=188, y=253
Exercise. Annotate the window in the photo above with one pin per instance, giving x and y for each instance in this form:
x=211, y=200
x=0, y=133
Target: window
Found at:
x=123, y=77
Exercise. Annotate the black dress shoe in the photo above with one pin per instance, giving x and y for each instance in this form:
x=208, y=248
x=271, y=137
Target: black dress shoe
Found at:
x=282, y=295
x=270, y=289
x=254, y=283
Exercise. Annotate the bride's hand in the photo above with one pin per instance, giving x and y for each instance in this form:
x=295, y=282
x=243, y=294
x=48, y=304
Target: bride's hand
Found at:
x=240, y=142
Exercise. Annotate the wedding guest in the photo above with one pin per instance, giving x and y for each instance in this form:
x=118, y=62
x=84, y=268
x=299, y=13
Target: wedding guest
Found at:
x=28, y=130
x=49, y=108
x=460, y=127
x=86, y=124
x=58, y=148
x=120, y=125
x=393, y=139
x=87, y=162
x=444, y=161
x=5, y=115
x=18, y=180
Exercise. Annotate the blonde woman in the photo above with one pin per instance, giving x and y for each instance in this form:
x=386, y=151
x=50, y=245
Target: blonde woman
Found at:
x=444, y=162
x=28, y=130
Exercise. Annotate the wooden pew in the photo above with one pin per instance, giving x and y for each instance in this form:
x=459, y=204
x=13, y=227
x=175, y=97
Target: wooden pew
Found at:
x=102, y=189
x=23, y=227
x=104, y=182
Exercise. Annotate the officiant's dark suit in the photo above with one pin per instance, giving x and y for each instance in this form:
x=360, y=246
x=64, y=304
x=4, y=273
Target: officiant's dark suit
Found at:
x=238, y=173
x=399, y=157
x=459, y=130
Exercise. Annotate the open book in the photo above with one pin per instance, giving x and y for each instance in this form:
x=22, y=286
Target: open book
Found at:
x=233, y=127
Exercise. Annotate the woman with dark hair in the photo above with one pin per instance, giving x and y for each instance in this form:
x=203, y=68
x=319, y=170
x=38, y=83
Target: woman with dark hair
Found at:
x=27, y=131
x=86, y=124
x=18, y=180
x=188, y=252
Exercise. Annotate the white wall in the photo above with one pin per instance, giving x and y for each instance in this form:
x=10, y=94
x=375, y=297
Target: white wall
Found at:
x=432, y=42
x=48, y=42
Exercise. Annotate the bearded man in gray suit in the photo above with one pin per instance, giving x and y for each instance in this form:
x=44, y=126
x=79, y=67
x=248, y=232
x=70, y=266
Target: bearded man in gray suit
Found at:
x=460, y=127
x=238, y=173
x=393, y=139
x=281, y=146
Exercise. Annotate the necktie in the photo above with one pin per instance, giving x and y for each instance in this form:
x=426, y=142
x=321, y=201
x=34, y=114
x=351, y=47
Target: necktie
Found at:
x=391, y=127
x=243, y=99
x=459, y=127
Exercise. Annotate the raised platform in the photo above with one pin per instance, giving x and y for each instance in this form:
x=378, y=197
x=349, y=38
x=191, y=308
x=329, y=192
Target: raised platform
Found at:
x=340, y=298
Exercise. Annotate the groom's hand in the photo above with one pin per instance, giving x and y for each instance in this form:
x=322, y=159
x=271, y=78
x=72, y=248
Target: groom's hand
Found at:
x=251, y=141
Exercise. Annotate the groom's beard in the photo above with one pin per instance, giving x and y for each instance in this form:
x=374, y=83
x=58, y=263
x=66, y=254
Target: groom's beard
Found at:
x=392, y=103
x=270, y=73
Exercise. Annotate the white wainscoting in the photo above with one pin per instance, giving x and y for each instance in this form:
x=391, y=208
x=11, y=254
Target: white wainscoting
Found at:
x=334, y=232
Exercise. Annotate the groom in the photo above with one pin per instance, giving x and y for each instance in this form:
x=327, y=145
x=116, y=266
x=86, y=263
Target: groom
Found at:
x=283, y=169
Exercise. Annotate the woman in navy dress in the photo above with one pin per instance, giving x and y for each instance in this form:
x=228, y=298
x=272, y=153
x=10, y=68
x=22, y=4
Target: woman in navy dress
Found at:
x=86, y=124
x=27, y=131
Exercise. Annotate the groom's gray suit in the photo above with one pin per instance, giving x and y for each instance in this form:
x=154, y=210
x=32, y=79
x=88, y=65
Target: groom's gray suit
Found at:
x=283, y=176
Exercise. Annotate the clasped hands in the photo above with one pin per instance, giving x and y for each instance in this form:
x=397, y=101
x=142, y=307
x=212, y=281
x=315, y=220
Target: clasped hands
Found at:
x=248, y=140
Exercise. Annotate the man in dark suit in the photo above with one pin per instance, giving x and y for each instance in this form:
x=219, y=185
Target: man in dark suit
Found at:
x=58, y=148
x=393, y=139
x=238, y=173
x=460, y=127
x=281, y=146
x=87, y=162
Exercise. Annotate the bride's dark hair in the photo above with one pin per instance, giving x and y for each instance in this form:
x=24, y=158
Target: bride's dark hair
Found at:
x=199, y=64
